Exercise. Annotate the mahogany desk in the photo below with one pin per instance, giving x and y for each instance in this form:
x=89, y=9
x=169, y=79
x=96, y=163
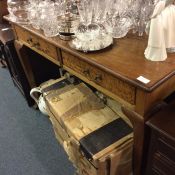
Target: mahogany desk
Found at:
x=113, y=71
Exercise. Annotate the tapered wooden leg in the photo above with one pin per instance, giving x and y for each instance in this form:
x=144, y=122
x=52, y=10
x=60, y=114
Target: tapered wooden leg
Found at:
x=138, y=129
x=23, y=57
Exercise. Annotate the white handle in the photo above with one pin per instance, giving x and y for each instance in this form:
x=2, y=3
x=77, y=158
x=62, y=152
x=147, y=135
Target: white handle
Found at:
x=32, y=92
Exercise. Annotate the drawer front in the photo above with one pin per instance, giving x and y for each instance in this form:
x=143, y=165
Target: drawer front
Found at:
x=99, y=77
x=163, y=165
x=166, y=148
x=35, y=42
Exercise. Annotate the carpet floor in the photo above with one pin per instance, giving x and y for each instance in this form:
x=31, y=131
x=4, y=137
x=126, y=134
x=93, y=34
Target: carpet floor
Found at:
x=27, y=142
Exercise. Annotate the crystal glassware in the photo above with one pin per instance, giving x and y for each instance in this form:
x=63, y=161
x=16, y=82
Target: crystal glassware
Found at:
x=92, y=34
x=50, y=27
x=121, y=26
x=48, y=18
x=120, y=18
x=34, y=17
x=68, y=19
x=171, y=50
x=146, y=11
x=34, y=13
x=18, y=10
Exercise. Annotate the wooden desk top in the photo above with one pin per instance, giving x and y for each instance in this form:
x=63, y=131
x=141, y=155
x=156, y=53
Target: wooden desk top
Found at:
x=124, y=59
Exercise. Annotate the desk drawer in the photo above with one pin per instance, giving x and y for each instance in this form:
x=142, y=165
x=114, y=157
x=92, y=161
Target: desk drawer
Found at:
x=99, y=77
x=163, y=165
x=37, y=43
x=165, y=147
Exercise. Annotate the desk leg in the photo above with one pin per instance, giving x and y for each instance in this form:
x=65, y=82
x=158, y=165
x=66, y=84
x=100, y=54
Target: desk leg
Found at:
x=138, y=126
x=21, y=51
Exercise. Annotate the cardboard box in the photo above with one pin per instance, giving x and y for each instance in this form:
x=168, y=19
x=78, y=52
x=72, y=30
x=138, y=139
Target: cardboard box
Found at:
x=72, y=100
x=96, y=139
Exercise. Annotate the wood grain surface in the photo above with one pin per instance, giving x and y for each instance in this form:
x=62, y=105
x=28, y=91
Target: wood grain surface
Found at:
x=124, y=59
x=119, y=66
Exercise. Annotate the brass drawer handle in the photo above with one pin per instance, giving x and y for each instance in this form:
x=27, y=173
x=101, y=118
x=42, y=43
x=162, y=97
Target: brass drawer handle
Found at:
x=36, y=45
x=46, y=51
x=98, y=78
x=30, y=40
x=86, y=72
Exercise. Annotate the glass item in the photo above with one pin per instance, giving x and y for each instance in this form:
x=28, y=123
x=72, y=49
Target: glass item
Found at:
x=88, y=32
x=120, y=17
x=43, y=15
x=33, y=16
x=12, y=9
x=124, y=15
x=92, y=34
x=60, y=7
x=68, y=25
x=18, y=10
x=34, y=13
x=171, y=50
x=147, y=8
x=134, y=13
x=121, y=26
x=83, y=43
x=68, y=19
x=50, y=27
x=53, y=16
x=48, y=18
x=46, y=10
